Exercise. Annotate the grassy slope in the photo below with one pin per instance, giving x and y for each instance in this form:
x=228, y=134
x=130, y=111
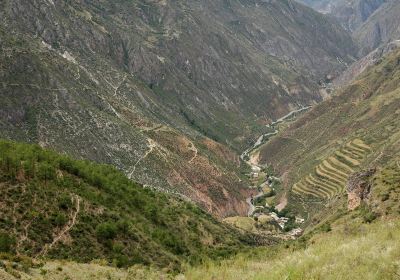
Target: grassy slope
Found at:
x=362, y=244
x=90, y=211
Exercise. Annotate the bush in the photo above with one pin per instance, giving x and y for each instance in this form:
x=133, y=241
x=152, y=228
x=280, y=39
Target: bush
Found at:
x=369, y=217
x=46, y=172
x=65, y=202
x=121, y=261
x=106, y=231
x=6, y=242
x=60, y=219
x=367, y=214
x=385, y=197
x=326, y=227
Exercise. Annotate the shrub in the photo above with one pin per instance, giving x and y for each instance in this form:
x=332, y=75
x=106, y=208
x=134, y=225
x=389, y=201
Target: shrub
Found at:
x=65, y=202
x=46, y=172
x=106, y=231
x=121, y=261
x=367, y=214
x=326, y=227
x=6, y=242
x=60, y=219
x=385, y=197
x=369, y=217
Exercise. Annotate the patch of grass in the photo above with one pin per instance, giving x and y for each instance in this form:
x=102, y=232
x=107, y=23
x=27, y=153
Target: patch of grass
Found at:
x=371, y=253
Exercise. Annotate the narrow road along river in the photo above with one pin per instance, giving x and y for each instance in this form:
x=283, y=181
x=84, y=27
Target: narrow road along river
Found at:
x=258, y=143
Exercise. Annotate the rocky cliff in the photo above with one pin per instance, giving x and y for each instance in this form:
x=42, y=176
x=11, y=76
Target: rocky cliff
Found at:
x=358, y=188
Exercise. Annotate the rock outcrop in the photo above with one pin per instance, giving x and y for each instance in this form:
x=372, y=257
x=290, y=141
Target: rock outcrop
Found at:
x=358, y=188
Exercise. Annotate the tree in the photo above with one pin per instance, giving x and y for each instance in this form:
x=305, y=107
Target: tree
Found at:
x=106, y=231
x=46, y=172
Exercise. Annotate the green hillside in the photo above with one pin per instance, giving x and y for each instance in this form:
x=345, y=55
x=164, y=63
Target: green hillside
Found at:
x=362, y=244
x=53, y=207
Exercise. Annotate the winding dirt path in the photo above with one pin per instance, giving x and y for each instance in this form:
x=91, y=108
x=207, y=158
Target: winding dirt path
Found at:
x=195, y=151
x=66, y=229
x=282, y=203
x=151, y=147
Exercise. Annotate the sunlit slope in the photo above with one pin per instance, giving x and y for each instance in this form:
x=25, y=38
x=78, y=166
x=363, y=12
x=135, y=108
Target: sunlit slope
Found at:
x=357, y=128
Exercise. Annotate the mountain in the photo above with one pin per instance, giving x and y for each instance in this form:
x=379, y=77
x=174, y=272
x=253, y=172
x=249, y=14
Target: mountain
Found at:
x=355, y=130
x=355, y=69
x=369, y=235
x=381, y=28
x=166, y=91
x=373, y=23
x=54, y=207
x=350, y=13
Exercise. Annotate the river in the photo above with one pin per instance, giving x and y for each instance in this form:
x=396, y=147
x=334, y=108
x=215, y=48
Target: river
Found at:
x=264, y=138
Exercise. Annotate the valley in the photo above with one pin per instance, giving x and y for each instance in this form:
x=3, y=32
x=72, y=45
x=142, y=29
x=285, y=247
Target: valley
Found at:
x=165, y=139
x=265, y=204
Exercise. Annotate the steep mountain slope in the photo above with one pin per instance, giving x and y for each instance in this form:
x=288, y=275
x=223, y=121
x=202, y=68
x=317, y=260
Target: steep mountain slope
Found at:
x=58, y=103
x=350, y=13
x=58, y=208
x=373, y=22
x=357, y=129
x=145, y=85
x=362, y=64
x=380, y=28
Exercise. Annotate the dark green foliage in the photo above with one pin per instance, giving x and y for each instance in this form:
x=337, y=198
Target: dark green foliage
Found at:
x=367, y=214
x=6, y=242
x=106, y=231
x=290, y=224
x=60, y=219
x=116, y=219
x=326, y=227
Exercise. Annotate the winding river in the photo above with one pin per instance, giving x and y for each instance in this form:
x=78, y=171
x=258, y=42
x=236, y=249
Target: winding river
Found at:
x=264, y=138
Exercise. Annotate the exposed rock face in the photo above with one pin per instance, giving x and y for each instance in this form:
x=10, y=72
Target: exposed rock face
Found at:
x=358, y=188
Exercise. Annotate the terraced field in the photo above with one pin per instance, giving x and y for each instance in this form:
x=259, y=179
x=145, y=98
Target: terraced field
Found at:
x=330, y=176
